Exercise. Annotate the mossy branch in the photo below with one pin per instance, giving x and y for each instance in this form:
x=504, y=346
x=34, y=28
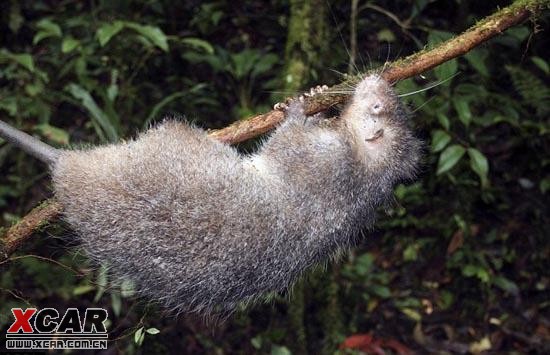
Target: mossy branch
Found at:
x=243, y=130
x=17, y=234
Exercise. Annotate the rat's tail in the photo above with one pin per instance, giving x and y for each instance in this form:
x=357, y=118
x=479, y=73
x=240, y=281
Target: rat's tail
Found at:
x=29, y=144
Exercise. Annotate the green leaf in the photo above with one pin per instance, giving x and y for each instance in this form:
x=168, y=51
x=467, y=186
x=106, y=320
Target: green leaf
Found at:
x=413, y=314
x=53, y=134
x=47, y=29
x=35, y=88
x=69, y=44
x=436, y=37
x=542, y=64
x=444, y=120
x=445, y=71
x=440, y=139
x=107, y=31
x=506, y=285
x=9, y=104
x=519, y=32
x=112, y=90
x=256, y=342
x=446, y=299
x=407, y=302
x=153, y=331
x=50, y=26
x=139, y=336
x=449, y=158
x=24, y=59
x=80, y=290
x=463, y=109
x=116, y=303
x=386, y=35
x=159, y=106
x=410, y=253
x=198, y=43
x=477, y=58
x=469, y=270
x=364, y=264
x=380, y=291
x=480, y=165
x=154, y=34
x=264, y=64
x=243, y=62
x=97, y=114
x=280, y=350
x=477, y=271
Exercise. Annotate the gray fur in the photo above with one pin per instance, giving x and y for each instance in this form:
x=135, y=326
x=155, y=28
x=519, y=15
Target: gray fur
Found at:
x=199, y=227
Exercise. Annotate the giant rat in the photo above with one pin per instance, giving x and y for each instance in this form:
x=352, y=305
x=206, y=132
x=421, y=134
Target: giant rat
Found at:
x=198, y=226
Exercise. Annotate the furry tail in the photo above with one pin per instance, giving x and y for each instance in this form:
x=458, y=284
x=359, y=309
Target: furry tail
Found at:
x=29, y=144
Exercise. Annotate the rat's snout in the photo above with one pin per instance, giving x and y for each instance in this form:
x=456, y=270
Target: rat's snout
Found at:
x=372, y=82
x=375, y=96
x=373, y=85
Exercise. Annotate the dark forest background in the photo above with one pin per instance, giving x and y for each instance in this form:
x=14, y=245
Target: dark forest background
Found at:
x=458, y=264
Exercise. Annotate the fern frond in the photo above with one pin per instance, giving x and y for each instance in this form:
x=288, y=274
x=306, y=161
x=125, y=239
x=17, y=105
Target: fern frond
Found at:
x=532, y=89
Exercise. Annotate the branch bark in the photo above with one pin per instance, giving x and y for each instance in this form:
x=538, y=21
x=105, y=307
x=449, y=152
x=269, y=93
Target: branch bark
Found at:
x=24, y=229
x=240, y=131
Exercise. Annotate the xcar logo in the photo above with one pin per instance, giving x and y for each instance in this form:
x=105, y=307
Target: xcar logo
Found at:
x=46, y=329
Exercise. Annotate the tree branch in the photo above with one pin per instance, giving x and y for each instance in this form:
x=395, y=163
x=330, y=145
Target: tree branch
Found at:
x=22, y=230
x=260, y=124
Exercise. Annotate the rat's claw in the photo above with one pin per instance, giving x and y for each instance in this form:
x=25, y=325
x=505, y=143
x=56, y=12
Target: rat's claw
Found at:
x=320, y=88
x=280, y=106
x=316, y=90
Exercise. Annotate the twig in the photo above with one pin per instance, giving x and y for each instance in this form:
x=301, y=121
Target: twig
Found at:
x=399, y=70
x=22, y=230
x=260, y=124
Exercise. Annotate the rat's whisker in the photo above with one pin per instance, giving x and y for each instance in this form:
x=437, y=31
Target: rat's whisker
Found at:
x=431, y=86
x=338, y=92
x=342, y=74
x=424, y=104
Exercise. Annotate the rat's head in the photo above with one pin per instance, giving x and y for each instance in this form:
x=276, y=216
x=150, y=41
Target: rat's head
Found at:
x=380, y=132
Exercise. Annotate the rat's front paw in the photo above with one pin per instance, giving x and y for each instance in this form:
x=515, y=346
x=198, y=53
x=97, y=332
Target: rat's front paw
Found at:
x=290, y=104
x=319, y=89
x=284, y=106
x=280, y=106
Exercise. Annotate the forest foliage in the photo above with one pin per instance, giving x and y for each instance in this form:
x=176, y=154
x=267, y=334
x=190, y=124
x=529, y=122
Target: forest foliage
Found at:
x=458, y=262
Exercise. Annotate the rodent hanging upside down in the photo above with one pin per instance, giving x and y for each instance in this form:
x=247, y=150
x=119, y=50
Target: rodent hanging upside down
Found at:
x=200, y=227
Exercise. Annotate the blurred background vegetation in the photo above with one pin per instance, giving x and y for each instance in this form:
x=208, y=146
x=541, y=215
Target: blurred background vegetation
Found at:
x=458, y=264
